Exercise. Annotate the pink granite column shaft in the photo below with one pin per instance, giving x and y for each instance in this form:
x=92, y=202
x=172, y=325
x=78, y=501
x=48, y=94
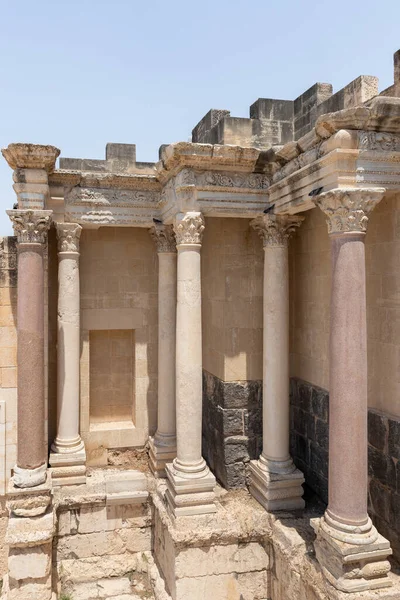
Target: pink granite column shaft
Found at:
x=348, y=382
x=31, y=229
x=347, y=211
x=31, y=451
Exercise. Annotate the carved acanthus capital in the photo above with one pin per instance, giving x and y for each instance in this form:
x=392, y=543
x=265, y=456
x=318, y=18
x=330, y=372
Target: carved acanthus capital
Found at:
x=275, y=230
x=30, y=226
x=68, y=235
x=347, y=209
x=31, y=156
x=164, y=237
x=189, y=228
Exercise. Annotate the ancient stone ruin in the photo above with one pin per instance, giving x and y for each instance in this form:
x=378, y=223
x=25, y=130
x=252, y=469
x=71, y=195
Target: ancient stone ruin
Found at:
x=200, y=390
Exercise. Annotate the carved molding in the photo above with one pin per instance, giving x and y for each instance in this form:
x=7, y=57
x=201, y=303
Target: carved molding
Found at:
x=275, y=230
x=189, y=228
x=68, y=235
x=30, y=226
x=347, y=209
x=164, y=237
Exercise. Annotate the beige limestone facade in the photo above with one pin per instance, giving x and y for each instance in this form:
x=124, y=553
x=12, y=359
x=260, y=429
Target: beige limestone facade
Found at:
x=199, y=388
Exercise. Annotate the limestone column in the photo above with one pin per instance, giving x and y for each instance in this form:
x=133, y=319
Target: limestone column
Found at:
x=68, y=456
x=349, y=548
x=190, y=483
x=31, y=229
x=163, y=445
x=274, y=480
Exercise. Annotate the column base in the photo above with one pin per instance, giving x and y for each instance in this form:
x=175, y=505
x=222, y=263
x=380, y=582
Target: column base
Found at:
x=160, y=455
x=352, y=567
x=190, y=493
x=28, y=478
x=68, y=468
x=276, y=491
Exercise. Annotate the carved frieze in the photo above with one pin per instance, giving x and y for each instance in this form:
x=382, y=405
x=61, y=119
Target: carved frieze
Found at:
x=189, y=228
x=68, y=235
x=379, y=141
x=111, y=197
x=164, y=237
x=275, y=230
x=252, y=181
x=347, y=209
x=30, y=226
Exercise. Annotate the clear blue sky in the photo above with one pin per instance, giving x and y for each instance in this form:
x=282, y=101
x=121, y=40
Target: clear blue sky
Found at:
x=79, y=74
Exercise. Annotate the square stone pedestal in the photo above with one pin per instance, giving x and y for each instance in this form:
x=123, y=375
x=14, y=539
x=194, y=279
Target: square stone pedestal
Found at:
x=68, y=468
x=276, y=491
x=350, y=567
x=194, y=496
x=213, y=556
x=29, y=536
x=159, y=456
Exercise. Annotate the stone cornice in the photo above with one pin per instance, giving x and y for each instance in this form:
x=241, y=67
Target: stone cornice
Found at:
x=68, y=235
x=30, y=226
x=348, y=209
x=275, y=230
x=163, y=237
x=31, y=156
x=204, y=157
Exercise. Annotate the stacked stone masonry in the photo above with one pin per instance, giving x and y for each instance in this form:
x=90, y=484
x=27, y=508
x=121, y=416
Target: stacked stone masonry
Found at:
x=173, y=338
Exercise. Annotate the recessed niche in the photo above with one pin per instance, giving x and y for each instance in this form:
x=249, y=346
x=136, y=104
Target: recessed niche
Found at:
x=112, y=369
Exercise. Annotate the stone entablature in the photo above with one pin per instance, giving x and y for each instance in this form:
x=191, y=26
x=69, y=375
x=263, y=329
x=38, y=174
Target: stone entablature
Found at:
x=342, y=150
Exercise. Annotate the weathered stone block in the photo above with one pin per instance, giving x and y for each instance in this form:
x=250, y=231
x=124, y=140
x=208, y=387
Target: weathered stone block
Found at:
x=219, y=559
x=29, y=563
x=381, y=467
x=233, y=422
x=320, y=403
x=322, y=434
x=394, y=438
x=237, y=449
x=377, y=430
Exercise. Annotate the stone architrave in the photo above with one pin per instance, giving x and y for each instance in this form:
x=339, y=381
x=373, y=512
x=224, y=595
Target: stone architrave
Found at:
x=68, y=457
x=352, y=553
x=31, y=229
x=190, y=484
x=274, y=480
x=163, y=445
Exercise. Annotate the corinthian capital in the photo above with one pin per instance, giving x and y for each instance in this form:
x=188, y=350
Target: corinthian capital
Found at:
x=164, y=237
x=30, y=226
x=189, y=228
x=68, y=235
x=348, y=209
x=275, y=230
